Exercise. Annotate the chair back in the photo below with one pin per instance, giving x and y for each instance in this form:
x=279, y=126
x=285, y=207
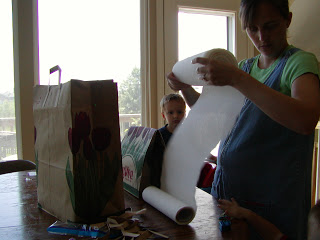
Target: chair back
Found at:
x=16, y=166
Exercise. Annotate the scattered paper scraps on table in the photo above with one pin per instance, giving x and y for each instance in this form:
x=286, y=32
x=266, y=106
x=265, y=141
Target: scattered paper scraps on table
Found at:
x=123, y=227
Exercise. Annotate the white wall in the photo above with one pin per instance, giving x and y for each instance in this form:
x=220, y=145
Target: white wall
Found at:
x=304, y=31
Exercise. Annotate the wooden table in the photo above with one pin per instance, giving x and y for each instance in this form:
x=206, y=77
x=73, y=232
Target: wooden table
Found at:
x=21, y=219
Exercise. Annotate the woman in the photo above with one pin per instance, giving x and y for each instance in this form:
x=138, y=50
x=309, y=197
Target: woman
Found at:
x=265, y=162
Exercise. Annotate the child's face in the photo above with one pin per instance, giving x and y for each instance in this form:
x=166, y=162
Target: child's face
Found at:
x=173, y=112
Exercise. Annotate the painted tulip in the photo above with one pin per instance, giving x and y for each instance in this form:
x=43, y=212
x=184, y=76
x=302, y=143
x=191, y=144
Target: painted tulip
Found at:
x=74, y=140
x=139, y=131
x=101, y=138
x=82, y=124
x=88, y=149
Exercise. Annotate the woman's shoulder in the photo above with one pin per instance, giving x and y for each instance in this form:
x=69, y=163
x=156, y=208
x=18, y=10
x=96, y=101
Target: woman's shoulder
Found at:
x=302, y=56
x=303, y=60
x=298, y=63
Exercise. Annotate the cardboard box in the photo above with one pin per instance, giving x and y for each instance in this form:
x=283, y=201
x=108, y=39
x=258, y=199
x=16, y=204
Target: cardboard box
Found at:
x=142, y=155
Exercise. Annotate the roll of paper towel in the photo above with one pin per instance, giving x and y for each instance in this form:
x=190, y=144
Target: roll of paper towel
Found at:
x=210, y=119
x=172, y=207
x=187, y=72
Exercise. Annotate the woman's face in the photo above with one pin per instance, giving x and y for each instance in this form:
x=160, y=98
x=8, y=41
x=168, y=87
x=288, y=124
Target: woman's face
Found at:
x=268, y=30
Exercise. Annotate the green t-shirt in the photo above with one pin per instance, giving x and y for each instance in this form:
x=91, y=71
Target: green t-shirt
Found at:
x=299, y=63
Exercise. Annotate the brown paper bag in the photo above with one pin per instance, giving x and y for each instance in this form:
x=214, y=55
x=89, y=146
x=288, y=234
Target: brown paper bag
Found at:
x=142, y=155
x=77, y=148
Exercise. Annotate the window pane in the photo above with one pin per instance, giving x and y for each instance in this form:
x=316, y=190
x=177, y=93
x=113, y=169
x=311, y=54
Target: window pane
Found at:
x=8, y=144
x=94, y=40
x=199, y=32
x=209, y=31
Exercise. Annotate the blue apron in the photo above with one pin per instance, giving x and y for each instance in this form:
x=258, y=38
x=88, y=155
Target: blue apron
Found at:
x=265, y=166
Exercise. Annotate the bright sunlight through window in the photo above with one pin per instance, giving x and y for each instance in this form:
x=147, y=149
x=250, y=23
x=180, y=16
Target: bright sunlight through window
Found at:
x=94, y=40
x=8, y=145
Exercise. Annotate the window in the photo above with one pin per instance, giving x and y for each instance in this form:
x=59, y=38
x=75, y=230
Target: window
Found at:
x=8, y=144
x=94, y=40
x=157, y=52
x=211, y=31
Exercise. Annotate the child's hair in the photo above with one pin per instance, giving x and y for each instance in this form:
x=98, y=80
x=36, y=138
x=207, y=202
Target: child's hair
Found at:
x=171, y=97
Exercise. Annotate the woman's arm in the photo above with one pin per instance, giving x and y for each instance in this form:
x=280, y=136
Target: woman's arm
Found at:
x=300, y=112
x=190, y=95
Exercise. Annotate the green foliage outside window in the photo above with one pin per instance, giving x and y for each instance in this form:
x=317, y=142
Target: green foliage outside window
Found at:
x=130, y=94
x=6, y=106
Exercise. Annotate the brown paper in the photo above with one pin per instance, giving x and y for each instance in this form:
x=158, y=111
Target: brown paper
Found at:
x=77, y=148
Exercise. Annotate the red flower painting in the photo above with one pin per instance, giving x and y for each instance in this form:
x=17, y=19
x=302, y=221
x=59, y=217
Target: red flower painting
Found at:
x=101, y=138
x=82, y=124
x=95, y=170
x=74, y=140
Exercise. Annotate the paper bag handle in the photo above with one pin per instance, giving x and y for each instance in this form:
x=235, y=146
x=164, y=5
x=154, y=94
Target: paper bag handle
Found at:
x=54, y=69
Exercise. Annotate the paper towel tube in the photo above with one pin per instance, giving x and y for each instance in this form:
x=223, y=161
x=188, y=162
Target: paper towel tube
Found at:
x=168, y=205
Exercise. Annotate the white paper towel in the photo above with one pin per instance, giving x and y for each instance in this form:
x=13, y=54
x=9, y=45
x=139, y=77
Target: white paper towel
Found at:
x=210, y=119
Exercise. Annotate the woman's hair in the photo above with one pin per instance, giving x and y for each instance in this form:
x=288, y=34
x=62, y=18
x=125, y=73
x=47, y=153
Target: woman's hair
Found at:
x=248, y=8
x=171, y=97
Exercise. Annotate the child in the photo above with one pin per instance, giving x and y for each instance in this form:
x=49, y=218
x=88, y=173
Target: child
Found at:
x=173, y=110
x=242, y=218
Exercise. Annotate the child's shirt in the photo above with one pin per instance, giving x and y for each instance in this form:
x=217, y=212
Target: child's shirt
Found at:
x=165, y=134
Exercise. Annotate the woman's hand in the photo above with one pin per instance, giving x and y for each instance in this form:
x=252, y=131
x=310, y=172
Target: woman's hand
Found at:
x=175, y=84
x=217, y=73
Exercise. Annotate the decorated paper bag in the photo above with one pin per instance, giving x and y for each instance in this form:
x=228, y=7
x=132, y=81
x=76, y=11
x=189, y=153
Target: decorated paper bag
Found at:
x=78, y=150
x=142, y=154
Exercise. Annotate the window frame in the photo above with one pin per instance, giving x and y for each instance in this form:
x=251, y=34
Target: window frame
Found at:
x=26, y=72
x=157, y=18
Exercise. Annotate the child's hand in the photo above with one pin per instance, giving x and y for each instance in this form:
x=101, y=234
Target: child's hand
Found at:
x=231, y=208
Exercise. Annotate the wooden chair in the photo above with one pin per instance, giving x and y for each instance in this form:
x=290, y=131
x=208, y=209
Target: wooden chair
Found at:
x=16, y=166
